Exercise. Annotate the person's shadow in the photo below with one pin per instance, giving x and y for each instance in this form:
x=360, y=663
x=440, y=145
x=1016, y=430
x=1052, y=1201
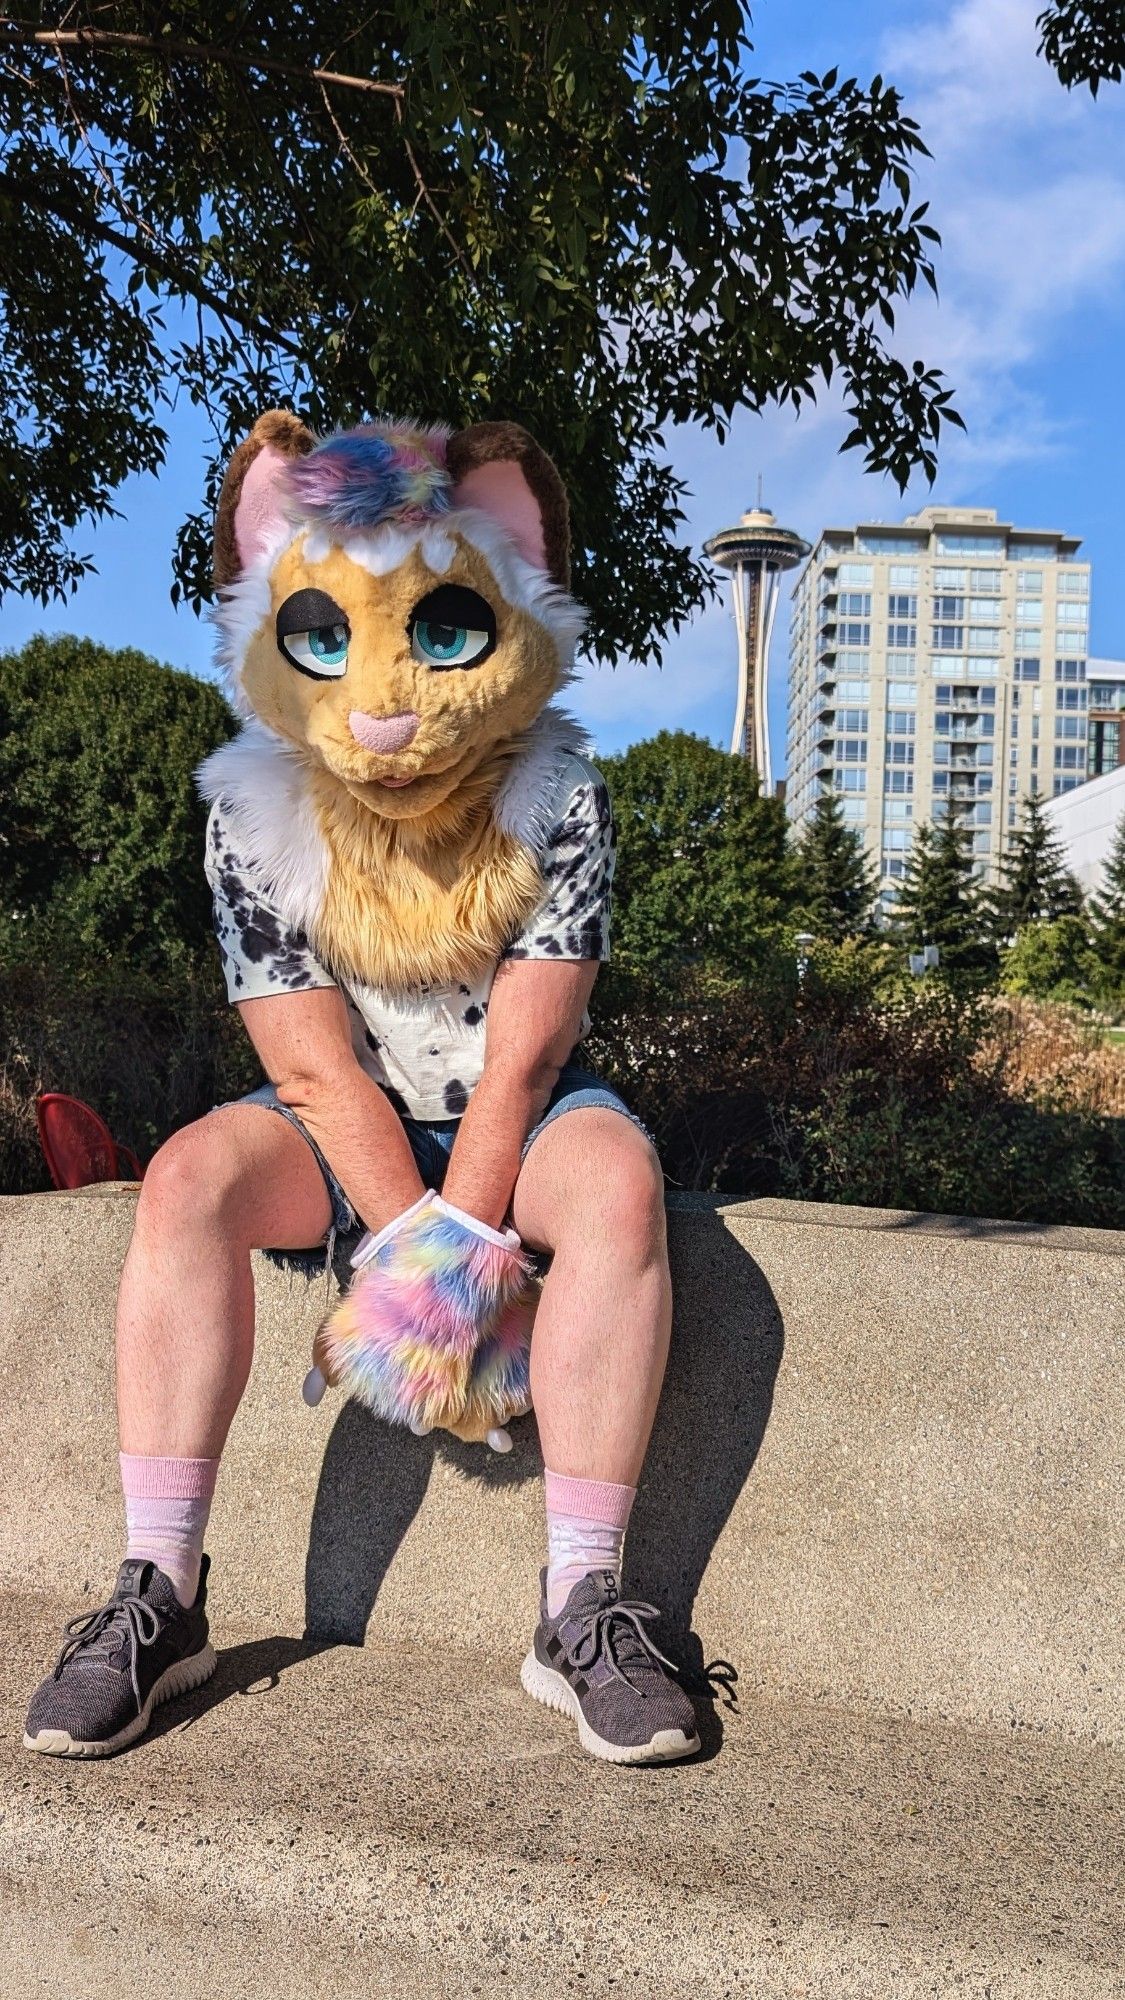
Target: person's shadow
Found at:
x=726, y=1349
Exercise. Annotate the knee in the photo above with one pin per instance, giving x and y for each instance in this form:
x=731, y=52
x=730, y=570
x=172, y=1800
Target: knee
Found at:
x=192, y=1182
x=628, y=1191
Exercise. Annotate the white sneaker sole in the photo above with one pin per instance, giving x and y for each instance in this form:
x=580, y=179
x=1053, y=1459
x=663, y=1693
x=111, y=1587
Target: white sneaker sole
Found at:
x=179, y=1678
x=545, y=1685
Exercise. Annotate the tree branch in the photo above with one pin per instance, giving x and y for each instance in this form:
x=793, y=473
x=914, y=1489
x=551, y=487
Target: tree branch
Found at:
x=153, y=259
x=24, y=35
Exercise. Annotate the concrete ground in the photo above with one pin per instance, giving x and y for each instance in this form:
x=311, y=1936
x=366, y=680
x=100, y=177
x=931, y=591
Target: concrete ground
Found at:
x=886, y=1486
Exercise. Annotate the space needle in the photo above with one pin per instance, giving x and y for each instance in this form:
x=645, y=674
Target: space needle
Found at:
x=755, y=552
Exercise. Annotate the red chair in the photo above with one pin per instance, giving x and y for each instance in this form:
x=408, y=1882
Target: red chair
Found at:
x=78, y=1146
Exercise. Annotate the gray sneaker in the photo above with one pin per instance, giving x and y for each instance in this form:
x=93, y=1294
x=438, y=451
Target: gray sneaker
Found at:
x=119, y=1663
x=596, y=1663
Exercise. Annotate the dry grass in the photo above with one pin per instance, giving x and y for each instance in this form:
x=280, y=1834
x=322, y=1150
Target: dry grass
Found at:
x=1052, y=1051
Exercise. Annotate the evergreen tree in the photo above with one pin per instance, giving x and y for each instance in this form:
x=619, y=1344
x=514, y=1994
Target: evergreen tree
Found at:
x=836, y=883
x=940, y=902
x=1107, y=920
x=704, y=872
x=1035, y=885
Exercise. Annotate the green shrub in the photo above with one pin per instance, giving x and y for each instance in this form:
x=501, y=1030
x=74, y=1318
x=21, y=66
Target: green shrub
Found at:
x=855, y=1086
x=101, y=829
x=1050, y=960
x=148, y=1056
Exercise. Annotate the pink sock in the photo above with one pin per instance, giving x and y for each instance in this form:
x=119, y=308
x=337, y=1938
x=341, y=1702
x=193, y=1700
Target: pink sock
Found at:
x=586, y=1523
x=167, y=1502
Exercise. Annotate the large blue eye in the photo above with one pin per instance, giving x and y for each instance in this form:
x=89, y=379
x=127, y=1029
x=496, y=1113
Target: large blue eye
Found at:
x=447, y=645
x=313, y=633
x=451, y=627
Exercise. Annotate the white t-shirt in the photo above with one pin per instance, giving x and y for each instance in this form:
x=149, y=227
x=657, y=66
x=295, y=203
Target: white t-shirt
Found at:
x=426, y=1049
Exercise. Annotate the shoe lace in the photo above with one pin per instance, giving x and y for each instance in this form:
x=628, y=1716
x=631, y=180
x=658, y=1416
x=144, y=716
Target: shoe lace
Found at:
x=616, y=1633
x=120, y=1627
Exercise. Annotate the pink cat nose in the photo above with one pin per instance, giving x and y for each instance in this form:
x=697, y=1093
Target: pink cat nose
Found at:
x=383, y=732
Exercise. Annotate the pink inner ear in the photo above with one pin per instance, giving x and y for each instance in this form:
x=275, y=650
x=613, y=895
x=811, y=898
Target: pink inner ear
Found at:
x=500, y=489
x=259, y=515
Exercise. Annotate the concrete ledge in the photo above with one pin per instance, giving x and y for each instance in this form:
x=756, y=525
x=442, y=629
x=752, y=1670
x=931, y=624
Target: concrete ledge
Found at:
x=887, y=1471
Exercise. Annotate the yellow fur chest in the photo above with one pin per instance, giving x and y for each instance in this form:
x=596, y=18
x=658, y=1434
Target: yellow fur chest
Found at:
x=411, y=903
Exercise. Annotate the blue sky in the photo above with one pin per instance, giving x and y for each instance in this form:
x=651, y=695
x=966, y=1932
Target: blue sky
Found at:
x=1027, y=186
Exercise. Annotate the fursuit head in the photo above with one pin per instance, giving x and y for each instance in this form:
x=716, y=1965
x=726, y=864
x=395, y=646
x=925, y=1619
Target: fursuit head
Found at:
x=394, y=618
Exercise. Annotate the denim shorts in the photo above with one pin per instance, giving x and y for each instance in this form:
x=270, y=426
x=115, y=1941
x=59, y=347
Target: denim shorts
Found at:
x=432, y=1142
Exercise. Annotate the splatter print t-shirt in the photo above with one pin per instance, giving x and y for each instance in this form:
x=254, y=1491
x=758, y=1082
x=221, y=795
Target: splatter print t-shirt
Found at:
x=426, y=1049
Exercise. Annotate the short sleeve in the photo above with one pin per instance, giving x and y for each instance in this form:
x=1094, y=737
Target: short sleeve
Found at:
x=577, y=863
x=261, y=953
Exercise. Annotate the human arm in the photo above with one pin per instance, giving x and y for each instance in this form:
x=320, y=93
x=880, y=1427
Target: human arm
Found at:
x=306, y=1051
x=534, y=1016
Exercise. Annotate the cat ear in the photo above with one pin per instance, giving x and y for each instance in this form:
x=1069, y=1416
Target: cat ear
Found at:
x=500, y=469
x=250, y=510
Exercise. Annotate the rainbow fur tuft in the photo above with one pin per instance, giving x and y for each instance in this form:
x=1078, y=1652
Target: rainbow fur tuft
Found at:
x=381, y=472
x=407, y=1338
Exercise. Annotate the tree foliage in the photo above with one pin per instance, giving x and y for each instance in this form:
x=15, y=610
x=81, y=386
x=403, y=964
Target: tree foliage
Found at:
x=1084, y=40
x=1033, y=883
x=836, y=886
x=589, y=218
x=1050, y=959
x=704, y=876
x=101, y=829
x=940, y=900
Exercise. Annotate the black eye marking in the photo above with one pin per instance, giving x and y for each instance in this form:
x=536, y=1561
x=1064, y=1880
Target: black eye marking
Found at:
x=309, y=612
x=452, y=626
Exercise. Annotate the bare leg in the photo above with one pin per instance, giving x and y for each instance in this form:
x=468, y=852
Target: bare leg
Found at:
x=591, y=1191
x=238, y=1180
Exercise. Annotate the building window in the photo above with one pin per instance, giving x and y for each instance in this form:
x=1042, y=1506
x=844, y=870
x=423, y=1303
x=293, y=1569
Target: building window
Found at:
x=899, y=781
x=904, y=665
x=949, y=607
x=948, y=638
x=1071, y=642
x=989, y=582
x=903, y=576
x=1072, y=583
x=941, y=781
x=984, y=639
x=891, y=545
x=851, y=750
x=1027, y=669
x=853, y=663
x=851, y=781
x=1068, y=757
x=852, y=690
x=1071, y=727
x=1034, y=552
x=954, y=544
x=901, y=723
x=852, y=721
x=902, y=635
x=855, y=604
x=1029, y=583
x=1070, y=670
x=902, y=606
x=853, y=572
x=1070, y=614
x=854, y=634
x=899, y=753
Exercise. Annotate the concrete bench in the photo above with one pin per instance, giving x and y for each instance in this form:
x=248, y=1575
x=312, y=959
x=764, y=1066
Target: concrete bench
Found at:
x=886, y=1486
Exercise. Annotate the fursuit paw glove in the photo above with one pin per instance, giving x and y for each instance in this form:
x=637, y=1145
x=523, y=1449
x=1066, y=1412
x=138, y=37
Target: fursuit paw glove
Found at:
x=436, y=1329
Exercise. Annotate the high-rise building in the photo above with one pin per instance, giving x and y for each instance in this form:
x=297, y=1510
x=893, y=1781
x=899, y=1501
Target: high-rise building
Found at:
x=938, y=659
x=1105, y=741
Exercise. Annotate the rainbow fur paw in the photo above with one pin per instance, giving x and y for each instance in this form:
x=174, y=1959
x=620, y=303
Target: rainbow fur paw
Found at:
x=435, y=1330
